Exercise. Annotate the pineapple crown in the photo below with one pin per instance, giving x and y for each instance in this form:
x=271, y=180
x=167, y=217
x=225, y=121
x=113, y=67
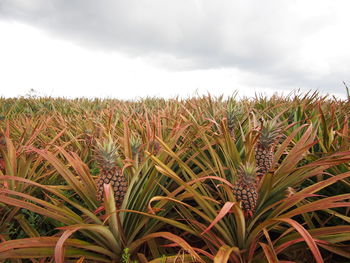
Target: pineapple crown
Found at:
x=247, y=172
x=270, y=132
x=135, y=143
x=231, y=105
x=106, y=153
x=232, y=110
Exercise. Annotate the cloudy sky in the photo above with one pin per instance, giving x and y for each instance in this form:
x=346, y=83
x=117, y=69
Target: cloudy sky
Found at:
x=135, y=48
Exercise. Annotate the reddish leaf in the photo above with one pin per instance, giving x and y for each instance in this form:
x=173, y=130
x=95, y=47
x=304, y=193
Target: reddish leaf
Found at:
x=224, y=210
x=269, y=253
x=306, y=235
x=224, y=254
x=174, y=238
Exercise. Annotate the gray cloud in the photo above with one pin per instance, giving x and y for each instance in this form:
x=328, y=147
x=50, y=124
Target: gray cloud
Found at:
x=265, y=38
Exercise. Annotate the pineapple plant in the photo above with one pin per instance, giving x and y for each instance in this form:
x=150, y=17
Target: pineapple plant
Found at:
x=270, y=134
x=232, y=113
x=110, y=172
x=136, y=148
x=245, y=188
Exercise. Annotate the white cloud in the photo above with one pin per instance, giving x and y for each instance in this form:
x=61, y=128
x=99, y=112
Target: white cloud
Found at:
x=275, y=45
x=31, y=60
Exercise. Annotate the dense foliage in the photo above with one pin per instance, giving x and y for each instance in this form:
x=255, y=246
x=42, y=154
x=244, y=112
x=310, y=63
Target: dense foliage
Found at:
x=192, y=194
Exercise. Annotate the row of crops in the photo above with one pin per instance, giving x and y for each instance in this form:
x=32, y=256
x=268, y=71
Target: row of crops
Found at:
x=205, y=179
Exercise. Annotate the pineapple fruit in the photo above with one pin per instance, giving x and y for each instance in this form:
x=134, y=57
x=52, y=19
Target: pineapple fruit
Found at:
x=110, y=172
x=270, y=134
x=245, y=188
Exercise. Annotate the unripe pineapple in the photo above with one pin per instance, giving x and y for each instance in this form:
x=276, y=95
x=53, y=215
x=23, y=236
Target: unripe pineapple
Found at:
x=245, y=188
x=110, y=172
x=270, y=134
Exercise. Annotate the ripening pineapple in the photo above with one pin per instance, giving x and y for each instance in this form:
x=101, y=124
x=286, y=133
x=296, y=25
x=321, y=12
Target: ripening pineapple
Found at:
x=245, y=188
x=270, y=134
x=110, y=172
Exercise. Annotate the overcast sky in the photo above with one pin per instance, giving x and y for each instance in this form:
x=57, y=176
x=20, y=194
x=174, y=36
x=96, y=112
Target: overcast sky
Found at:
x=135, y=48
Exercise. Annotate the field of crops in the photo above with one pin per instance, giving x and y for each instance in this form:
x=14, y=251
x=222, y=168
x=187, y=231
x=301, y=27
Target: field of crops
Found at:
x=196, y=180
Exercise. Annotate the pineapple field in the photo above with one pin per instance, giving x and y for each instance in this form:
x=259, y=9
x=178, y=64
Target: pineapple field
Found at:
x=203, y=179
